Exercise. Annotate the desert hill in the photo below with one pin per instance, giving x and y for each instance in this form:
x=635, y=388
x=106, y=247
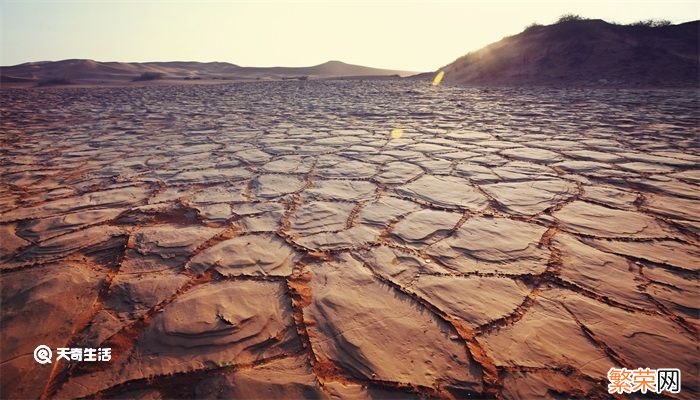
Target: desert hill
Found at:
x=586, y=52
x=89, y=71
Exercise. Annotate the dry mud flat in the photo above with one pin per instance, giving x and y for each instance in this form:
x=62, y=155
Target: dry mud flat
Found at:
x=273, y=240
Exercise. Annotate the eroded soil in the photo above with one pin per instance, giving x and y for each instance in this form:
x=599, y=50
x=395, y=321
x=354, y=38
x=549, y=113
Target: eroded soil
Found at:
x=274, y=240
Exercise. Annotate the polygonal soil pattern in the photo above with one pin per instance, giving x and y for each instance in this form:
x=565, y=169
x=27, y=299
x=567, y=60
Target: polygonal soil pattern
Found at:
x=273, y=240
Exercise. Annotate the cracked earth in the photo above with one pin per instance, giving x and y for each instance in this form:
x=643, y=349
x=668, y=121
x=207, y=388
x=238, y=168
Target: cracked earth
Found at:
x=273, y=240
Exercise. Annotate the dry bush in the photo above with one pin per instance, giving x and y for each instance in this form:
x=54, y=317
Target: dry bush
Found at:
x=149, y=76
x=570, y=17
x=652, y=23
x=54, y=81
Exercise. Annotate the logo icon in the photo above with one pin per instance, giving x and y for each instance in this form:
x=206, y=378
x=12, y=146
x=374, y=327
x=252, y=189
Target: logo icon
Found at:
x=42, y=354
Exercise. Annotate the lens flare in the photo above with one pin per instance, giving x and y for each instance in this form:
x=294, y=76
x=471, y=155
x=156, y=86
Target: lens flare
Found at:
x=438, y=78
x=396, y=133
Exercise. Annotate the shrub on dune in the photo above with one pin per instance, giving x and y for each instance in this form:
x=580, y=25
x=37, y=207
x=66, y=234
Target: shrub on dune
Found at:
x=149, y=76
x=54, y=81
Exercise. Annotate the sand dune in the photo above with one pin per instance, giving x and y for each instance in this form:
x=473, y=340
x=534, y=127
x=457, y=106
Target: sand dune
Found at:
x=89, y=71
x=586, y=52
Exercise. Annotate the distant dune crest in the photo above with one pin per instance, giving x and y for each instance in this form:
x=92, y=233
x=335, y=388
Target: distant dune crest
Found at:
x=89, y=71
x=586, y=52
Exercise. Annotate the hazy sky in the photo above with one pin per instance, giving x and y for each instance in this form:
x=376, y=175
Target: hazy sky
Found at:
x=409, y=35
